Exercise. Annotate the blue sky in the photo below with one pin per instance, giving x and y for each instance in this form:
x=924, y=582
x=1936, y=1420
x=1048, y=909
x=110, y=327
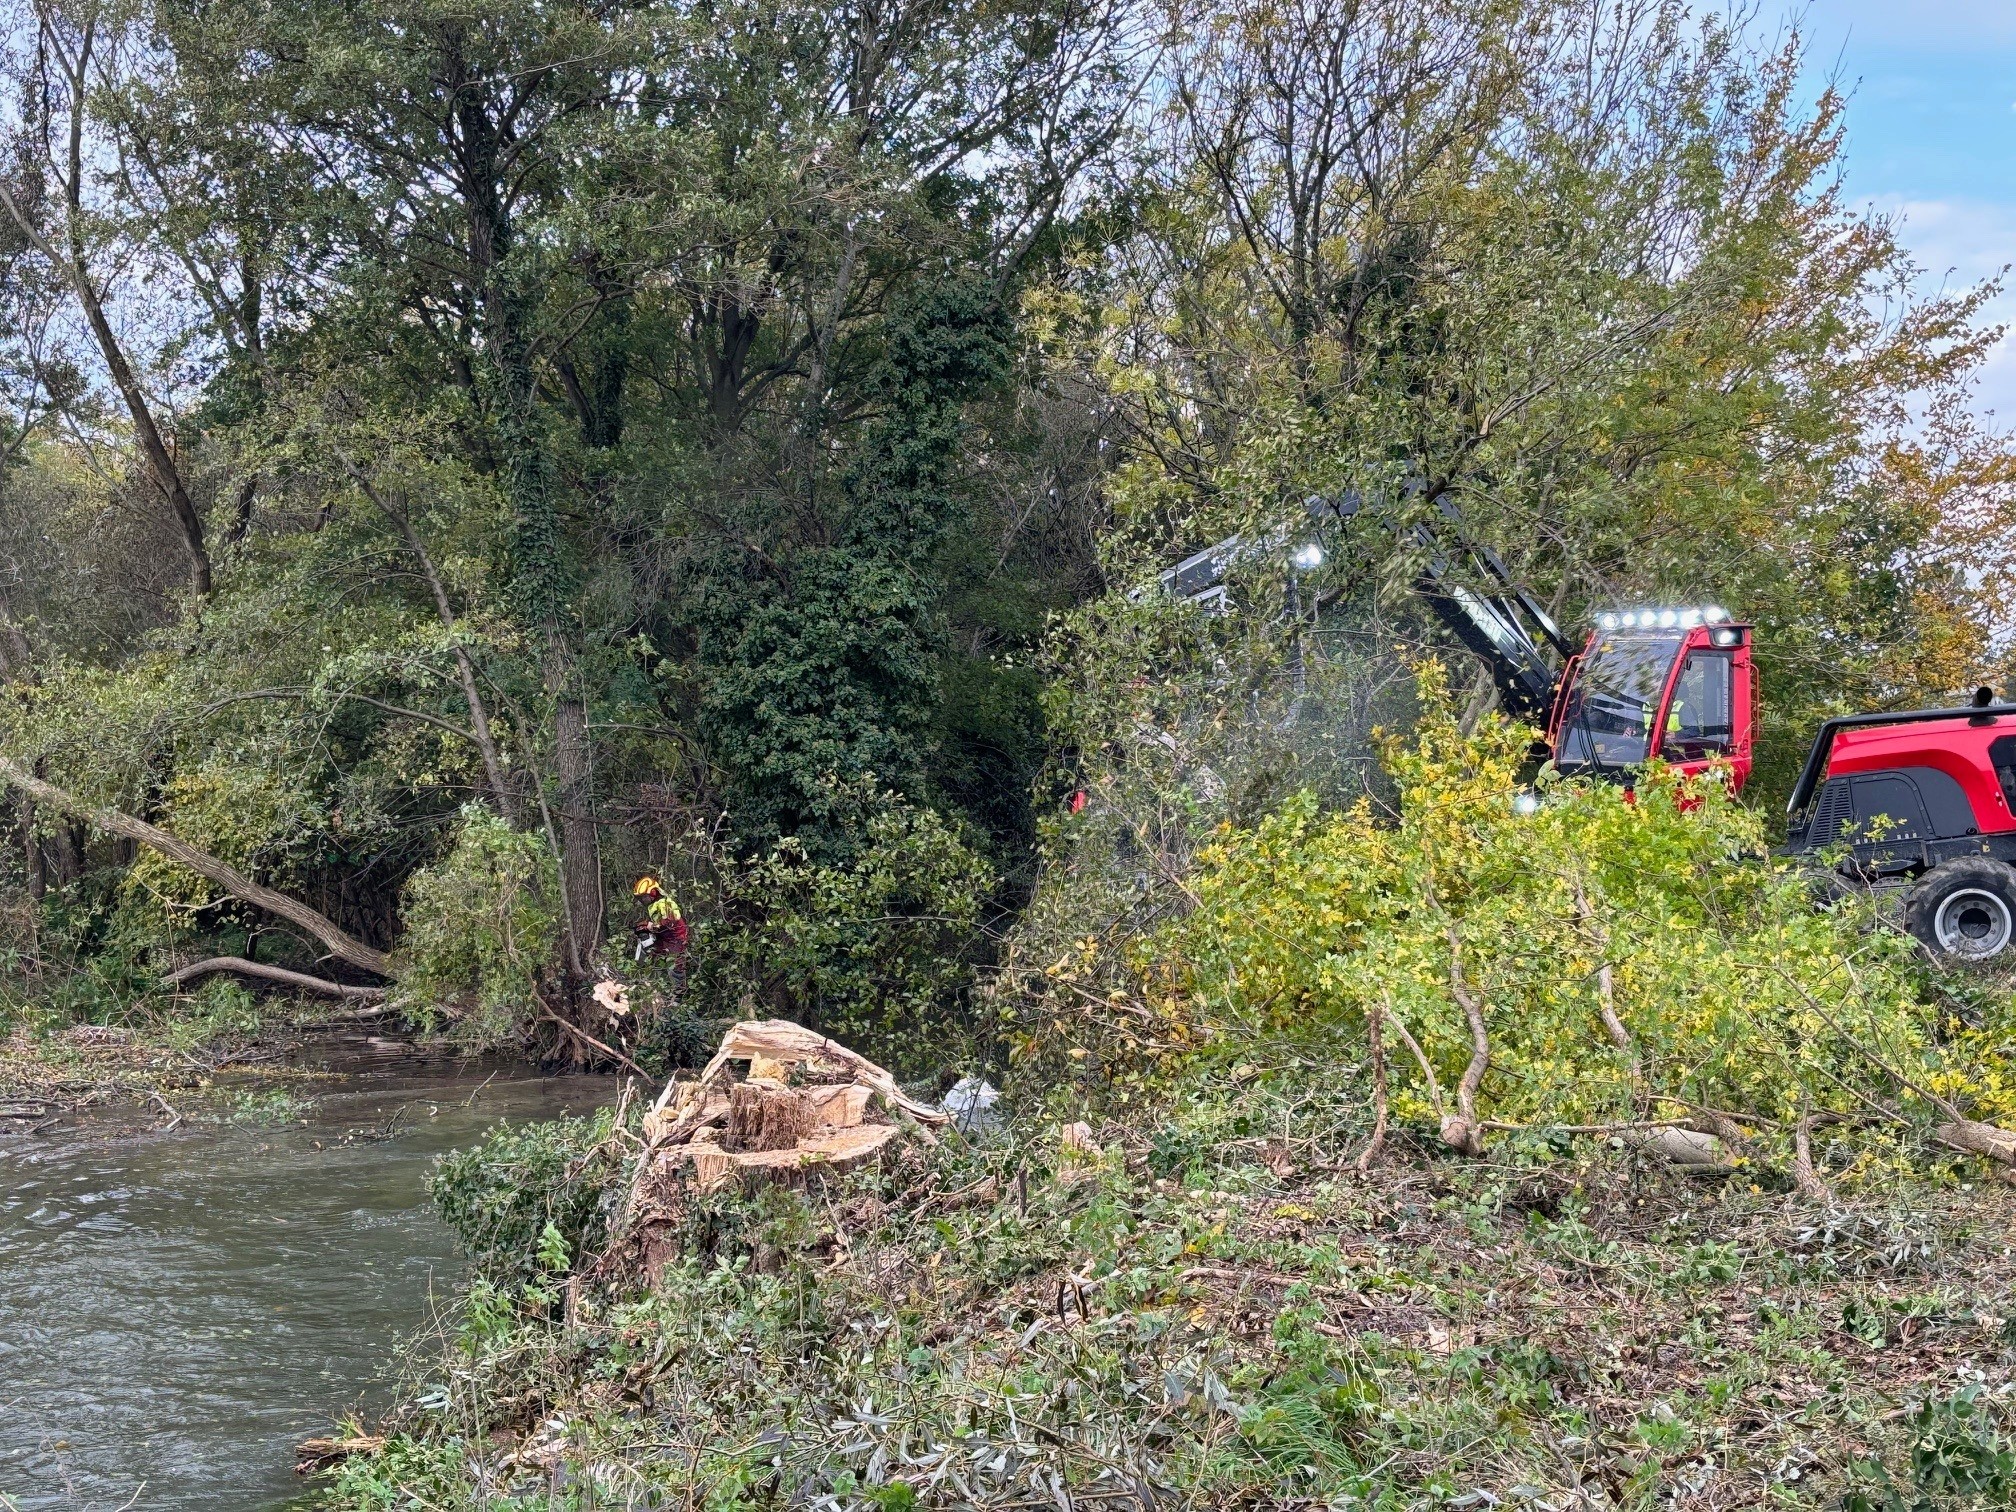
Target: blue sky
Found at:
x=1932, y=136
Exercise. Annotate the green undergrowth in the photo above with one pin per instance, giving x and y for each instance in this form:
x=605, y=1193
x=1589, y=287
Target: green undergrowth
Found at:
x=193, y=1051
x=1215, y=1309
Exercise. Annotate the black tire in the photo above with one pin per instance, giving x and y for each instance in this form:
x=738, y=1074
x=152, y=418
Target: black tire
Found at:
x=1965, y=910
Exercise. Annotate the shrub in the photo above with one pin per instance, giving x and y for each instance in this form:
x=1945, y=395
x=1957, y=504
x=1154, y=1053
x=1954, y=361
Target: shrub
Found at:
x=1601, y=960
x=480, y=926
x=510, y=1197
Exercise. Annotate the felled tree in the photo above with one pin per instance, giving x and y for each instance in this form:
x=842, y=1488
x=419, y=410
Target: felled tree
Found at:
x=1600, y=963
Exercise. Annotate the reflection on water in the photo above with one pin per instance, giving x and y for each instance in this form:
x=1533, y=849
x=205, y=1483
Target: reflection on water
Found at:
x=177, y=1311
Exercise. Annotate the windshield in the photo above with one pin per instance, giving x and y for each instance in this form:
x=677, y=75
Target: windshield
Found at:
x=1611, y=709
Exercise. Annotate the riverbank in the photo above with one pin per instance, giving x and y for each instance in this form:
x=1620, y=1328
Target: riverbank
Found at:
x=148, y=1076
x=1206, y=1304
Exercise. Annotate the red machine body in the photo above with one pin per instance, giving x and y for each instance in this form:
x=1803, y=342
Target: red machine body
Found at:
x=1906, y=792
x=1924, y=799
x=1685, y=693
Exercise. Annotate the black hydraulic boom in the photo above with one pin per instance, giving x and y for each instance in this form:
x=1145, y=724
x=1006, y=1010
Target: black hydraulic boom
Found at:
x=1466, y=587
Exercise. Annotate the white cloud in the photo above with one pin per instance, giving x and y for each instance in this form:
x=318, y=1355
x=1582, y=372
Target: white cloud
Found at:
x=1961, y=244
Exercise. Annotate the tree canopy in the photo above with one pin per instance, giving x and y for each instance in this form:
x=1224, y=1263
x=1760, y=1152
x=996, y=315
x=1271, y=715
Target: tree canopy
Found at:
x=454, y=461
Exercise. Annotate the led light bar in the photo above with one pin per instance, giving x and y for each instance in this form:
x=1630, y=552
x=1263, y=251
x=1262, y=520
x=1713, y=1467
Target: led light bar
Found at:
x=1662, y=619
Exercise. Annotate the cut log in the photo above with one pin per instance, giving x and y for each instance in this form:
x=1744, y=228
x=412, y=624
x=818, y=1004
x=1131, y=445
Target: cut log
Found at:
x=1991, y=1141
x=1684, y=1147
x=1461, y=1135
x=339, y=942
x=314, y=1455
x=243, y=967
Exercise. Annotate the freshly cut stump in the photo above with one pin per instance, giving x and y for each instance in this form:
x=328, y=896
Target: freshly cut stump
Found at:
x=825, y=1150
x=711, y=1132
x=764, y=1116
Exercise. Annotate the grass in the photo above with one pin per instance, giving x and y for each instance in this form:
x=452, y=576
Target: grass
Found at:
x=1217, y=1310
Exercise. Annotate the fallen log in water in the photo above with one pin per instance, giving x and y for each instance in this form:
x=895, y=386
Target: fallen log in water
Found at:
x=265, y=973
x=314, y=1455
x=334, y=938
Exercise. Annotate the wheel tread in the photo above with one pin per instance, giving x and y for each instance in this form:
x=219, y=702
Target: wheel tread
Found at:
x=1984, y=873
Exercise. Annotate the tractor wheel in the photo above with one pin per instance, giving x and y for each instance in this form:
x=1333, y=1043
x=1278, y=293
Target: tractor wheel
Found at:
x=1965, y=909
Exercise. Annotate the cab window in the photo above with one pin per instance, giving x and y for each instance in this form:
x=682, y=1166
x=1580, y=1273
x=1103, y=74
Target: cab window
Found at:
x=1609, y=718
x=1699, y=721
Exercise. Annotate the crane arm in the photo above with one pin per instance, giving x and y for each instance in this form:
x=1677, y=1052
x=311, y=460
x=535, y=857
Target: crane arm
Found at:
x=1466, y=586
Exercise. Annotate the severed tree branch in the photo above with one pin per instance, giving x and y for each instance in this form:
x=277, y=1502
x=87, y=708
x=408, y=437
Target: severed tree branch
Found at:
x=339, y=942
x=242, y=967
x=1462, y=1131
x=1376, y=1040
x=1606, y=991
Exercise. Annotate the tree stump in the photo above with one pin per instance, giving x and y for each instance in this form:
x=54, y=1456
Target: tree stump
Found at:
x=765, y=1116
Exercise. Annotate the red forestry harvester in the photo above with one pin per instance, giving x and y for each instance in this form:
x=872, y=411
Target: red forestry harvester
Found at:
x=1923, y=800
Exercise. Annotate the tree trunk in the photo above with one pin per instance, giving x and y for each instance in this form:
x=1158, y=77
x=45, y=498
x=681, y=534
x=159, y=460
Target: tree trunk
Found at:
x=340, y=944
x=465, y=668
x=160, y=462
x=242, y=967
x=65, y=851
x=540, y=582
x=74, y=266
x=31, y=848
x=1463, y=1130
x=580, y=845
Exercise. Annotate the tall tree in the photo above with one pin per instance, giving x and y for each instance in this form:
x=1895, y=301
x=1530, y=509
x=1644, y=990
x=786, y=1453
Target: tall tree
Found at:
x=58, y=152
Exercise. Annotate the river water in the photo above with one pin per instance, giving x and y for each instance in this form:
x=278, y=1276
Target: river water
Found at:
x=178, y=1310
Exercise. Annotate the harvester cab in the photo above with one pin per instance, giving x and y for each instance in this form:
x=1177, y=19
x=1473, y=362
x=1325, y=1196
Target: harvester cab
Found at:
x=1677, y=684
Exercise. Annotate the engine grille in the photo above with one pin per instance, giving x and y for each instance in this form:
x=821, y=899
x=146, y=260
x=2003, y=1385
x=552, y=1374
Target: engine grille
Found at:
x=1832, y=814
